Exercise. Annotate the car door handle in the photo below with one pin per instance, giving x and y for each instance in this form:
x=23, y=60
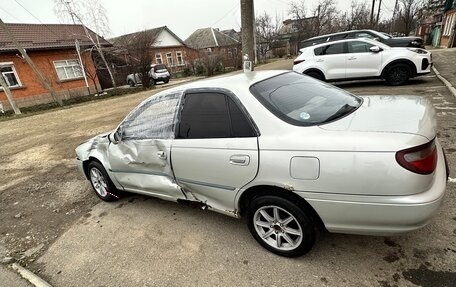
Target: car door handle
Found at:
x=320, y=60
x=352, y=58
x=240, y=160
x=161, y=154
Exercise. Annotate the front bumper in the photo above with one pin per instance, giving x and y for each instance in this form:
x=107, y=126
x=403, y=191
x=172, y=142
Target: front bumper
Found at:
x=380, y=215
x=80, y=166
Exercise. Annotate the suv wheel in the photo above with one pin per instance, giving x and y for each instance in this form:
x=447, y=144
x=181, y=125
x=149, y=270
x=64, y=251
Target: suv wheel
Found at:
x=131, y=83
x=397, y=74
x=315, y=75
x=280, y=226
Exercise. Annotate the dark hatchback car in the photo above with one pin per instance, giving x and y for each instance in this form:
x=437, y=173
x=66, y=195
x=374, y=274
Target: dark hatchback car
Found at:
x=370, y=34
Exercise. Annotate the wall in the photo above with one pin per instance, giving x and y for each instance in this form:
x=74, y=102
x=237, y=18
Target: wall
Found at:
x=32, y=92
x=448, y=33
x=187, y=54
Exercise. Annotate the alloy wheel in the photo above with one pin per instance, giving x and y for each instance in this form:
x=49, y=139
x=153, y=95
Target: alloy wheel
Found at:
x=99, y=182
x=278, y=227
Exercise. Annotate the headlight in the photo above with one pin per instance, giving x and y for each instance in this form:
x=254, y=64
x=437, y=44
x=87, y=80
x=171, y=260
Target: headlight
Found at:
x=417, y=50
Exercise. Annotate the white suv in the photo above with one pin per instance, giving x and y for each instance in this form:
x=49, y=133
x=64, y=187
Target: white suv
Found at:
x=362, y=59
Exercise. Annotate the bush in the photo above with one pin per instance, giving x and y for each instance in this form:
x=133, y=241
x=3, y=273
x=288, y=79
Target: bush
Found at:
x=280, y=52
x=187, y=71
x=200, y=70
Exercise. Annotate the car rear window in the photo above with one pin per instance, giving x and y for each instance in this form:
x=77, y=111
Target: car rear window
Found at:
x=159, y=68
x=304, y=101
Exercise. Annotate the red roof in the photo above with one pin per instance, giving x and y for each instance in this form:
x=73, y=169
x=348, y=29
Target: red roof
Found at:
x=46, y=36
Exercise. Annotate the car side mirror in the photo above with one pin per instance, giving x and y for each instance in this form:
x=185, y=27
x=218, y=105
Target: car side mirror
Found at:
x=375, y=49
x=114, y=137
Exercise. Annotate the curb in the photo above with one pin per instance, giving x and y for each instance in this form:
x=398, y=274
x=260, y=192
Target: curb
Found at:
x=445, y=81
x=30, y=276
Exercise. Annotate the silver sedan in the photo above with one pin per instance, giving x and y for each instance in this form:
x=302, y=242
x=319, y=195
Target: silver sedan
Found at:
x=290, y=153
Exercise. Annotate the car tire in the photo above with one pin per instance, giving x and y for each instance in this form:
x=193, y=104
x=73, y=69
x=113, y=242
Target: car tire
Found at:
x=152, y=82
x=101, y=183
x=315, y=75
x=397, y=75
x=131, y=83
x=166, y=81
x=281, y=226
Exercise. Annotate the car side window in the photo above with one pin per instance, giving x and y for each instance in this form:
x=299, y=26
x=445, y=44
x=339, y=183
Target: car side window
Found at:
x=359, y=47
x=212, y=115
x=153, y=119
x=240, y=125
x=331, y=49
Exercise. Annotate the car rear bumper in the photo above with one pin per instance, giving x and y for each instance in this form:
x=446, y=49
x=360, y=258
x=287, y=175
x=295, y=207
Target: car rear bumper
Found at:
x=380, y=215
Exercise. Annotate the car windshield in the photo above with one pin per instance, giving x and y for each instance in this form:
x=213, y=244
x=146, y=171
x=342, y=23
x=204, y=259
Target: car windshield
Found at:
x=381, y=35
x=304, y=101
x=386, y=35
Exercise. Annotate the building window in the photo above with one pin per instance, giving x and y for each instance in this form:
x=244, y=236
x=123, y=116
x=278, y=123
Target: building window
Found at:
x=169, y=59
x=68, y=69
x=180, y=58
x=9, y=74
x=158, y=58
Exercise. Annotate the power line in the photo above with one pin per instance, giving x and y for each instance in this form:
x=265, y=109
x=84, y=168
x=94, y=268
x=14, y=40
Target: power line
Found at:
x=28, y=11
x=226, y=14
x=10, y=14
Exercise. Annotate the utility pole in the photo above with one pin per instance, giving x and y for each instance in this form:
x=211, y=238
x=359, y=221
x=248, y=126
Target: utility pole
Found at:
x=41, y=77
x=372, y=14
x=378, y=12
x=247, y=30
x=9, y=95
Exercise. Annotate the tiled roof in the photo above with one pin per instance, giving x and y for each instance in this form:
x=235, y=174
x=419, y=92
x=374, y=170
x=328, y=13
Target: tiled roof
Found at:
x=46, y=36
x=209, y=38
x=233, y=34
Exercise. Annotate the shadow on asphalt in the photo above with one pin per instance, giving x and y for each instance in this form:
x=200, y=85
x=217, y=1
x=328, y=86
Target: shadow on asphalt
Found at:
x=372, y=83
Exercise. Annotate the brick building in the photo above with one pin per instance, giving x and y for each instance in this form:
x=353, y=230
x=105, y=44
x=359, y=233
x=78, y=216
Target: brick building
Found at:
x=166, y=47
x=213, y=41
x=52, y=48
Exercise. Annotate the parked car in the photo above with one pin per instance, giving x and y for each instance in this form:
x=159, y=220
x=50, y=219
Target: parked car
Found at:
x=362, y=59
x=157, y=73
x=282, y=149
x=384, y=38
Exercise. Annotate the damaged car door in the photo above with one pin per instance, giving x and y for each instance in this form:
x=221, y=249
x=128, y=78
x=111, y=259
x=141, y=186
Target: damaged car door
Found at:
x=215, y=151
x=140, y=159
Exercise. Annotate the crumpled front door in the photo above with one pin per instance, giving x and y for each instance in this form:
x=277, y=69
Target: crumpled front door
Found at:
x=143, y=166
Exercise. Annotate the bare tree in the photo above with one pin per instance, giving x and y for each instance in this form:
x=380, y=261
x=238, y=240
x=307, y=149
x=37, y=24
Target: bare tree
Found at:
x=358, y=16
x=89, y=13
x=266, y=34
x=409, y=14
x=326, y=16
x=210, y=61
x=138, y=47
x=89, y=71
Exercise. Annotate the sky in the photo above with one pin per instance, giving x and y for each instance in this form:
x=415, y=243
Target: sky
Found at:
x=181, y=16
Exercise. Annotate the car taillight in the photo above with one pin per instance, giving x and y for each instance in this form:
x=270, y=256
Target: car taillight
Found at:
x=297, y=62
x=420, y=159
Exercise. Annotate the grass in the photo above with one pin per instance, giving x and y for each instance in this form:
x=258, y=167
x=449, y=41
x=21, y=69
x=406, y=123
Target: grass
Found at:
x=37, y=109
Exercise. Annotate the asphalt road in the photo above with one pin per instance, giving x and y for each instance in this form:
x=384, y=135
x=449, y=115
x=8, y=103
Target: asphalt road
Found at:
x=141, y=241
